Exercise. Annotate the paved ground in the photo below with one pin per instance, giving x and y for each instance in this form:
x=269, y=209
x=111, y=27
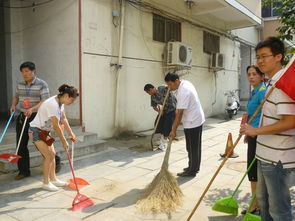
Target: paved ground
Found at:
x=119, y=174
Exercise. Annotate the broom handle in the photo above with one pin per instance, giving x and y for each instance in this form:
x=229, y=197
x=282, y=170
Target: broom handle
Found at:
x=72, y=170
x=227, y=156
x=167, y=154
x=162, y=110
x=252, y=202
x=73, y=146
x=249, y=168
x=6, y=127
x=21, y=136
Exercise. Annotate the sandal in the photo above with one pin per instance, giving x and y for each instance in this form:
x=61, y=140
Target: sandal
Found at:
x=255, y=211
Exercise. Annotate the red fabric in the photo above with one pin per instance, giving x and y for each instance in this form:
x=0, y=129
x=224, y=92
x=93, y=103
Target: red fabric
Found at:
x=287, y=81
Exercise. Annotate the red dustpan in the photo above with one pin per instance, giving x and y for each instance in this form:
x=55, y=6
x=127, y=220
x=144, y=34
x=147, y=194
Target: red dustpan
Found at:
x=13, y=158
x=79, y=181
x=9, y=157
x=80, y=201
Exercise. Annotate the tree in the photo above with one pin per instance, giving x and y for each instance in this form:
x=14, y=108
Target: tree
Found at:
x=285, y=9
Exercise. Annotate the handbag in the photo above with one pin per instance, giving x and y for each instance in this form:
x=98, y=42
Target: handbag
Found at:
x=45, y=137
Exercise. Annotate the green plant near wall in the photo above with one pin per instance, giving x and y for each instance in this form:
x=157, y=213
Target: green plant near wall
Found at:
x=286, y=11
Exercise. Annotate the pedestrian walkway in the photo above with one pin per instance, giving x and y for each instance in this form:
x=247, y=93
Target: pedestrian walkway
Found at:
x=121, y=171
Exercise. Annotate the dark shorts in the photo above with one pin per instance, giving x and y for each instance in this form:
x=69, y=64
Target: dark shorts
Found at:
x=35, y=132
x=165, y=123
x=252, y=175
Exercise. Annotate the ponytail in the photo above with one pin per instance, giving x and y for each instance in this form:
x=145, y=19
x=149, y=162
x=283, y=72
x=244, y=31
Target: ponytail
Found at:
x=70, y=90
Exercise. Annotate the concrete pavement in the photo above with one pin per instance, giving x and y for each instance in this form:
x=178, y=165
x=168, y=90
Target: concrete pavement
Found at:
x=119, y=173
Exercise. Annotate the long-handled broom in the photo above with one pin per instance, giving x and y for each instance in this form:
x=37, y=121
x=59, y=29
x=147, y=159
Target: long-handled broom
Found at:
x=163, y=194
x=6, y=127
x=80, y=201
x=249, y=216
x=229, y=204
x=78, y=182
x=10, y=157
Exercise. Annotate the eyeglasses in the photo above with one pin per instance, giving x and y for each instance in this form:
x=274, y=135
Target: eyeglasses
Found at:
x=263, y=57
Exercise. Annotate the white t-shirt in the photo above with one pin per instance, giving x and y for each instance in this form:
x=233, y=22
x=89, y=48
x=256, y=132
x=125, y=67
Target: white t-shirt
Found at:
x=188, y=99
x=50, y=108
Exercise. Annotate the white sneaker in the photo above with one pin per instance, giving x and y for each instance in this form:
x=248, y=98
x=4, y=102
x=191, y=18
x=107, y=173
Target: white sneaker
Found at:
x=59, y=183
x=50, y=187
x=165, y=143
x=161, y=147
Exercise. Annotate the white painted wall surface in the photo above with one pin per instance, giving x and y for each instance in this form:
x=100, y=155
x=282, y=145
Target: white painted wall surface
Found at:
x=47, y=36
x=141, y=65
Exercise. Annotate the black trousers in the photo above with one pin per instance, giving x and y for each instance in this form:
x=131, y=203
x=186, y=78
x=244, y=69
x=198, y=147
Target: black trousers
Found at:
x=24, y=162
x=252, y=143
x=165, y=123
x=193, y=138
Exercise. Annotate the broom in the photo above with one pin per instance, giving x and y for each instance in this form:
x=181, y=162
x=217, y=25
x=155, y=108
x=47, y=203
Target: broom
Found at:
x=163, y=194
x=226, y=157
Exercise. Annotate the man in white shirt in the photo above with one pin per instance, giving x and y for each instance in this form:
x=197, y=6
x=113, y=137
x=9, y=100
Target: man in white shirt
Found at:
x=188, y=111
x=276, y=138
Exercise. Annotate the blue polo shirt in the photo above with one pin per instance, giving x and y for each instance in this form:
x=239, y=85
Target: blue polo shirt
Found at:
x=257, y=95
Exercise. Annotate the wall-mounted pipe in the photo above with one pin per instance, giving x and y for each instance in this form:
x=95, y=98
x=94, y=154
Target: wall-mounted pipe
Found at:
x=119, y=65
x=80, y=63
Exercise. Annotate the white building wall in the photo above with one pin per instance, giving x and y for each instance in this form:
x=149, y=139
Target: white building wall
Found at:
x=142, y=64
x=48, y=36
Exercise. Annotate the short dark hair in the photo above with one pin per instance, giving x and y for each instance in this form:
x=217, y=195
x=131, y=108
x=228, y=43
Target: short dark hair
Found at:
x=70, y=90
x=276, y=46
x=147, y=87
x=171, y=76
x=28, y=64
x=257, y=70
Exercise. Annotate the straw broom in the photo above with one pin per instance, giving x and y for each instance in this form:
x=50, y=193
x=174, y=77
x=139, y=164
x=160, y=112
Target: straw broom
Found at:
x=163, y=194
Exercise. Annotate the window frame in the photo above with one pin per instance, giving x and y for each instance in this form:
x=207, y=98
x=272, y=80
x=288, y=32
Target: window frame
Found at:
x=175, y=24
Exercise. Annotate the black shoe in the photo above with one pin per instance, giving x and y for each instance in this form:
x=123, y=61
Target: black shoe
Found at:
x=21, y=176
x=187, y=174
x=57, y=168
x=185, y=169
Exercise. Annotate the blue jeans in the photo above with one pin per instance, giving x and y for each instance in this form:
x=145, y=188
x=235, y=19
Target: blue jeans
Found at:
x=273, y=192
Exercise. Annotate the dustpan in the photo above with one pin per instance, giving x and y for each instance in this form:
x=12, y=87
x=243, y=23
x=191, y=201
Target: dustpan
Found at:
x=78, y=182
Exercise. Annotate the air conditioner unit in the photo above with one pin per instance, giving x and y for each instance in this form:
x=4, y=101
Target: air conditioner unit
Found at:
x=217, y=61
x=179, y=54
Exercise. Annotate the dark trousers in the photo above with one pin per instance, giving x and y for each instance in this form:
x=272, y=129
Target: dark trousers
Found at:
x=165, y=123
x=24, y=162
x=252, y=143
x=193, y=138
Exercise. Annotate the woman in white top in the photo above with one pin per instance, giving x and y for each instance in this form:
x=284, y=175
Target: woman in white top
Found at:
x=50, y=116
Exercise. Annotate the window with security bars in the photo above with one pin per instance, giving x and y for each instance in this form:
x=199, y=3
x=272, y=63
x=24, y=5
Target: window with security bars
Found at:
x=211, y=43
x=165, y=29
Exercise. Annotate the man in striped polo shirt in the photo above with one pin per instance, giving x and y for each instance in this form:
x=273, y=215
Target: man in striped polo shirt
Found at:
x=276, y=138
x=29, y=95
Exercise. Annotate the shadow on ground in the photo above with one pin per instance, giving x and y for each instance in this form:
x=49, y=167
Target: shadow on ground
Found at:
x=216, y=194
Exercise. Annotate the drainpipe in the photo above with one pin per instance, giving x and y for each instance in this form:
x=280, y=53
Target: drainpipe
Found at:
x=122, y=21
x=119, y=64
x=80, y=63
